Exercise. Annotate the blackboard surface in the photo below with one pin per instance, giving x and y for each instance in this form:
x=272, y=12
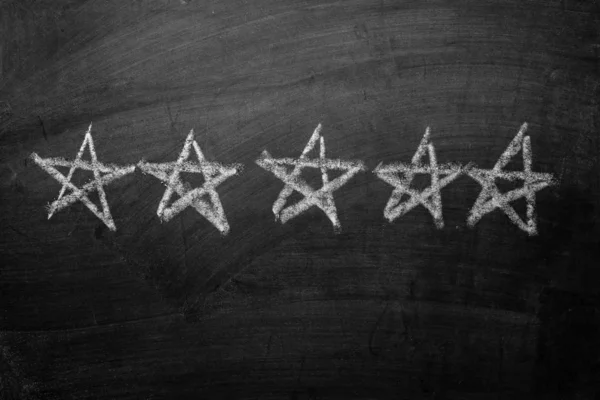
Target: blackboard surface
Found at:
x=299, y=310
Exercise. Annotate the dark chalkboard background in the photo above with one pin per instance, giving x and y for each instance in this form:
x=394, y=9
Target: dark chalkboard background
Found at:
x=380, y=311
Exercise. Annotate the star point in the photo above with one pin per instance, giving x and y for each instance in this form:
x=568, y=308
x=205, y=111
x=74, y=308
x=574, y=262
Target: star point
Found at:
x=214, y=174
x=321, y=198
x=111, y=173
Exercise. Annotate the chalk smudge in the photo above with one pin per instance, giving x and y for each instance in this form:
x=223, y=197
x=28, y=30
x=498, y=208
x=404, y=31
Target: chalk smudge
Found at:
x=112, y=172
x=431, y=197
x=321, y=198
x=490, y=197
x=214, y=174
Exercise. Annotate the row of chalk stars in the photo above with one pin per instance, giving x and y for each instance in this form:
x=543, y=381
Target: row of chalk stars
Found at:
x=206, y=201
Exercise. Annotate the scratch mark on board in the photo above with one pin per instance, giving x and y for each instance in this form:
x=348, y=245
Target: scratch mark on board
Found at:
x=75, y=224
x=372, y=334
x=30, y=238
x=43, y=129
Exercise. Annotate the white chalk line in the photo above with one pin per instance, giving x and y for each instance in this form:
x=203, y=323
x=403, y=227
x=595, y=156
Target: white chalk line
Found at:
x=335, y=164
x=321, y=198
x=490, y=197
x=214, y=174
x=312, y=196
x=190, y=198
x=287, y=190
x=430, y=198
x=112, y=172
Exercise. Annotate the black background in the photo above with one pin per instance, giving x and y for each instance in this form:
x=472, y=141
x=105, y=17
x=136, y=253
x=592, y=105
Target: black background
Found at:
x=380, y=311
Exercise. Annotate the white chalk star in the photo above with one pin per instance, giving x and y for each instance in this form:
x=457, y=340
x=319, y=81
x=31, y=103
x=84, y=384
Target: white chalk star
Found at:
x=321, y=198
x=214, y=174
x=112, y=172
x=490, y=197
x=431, y=197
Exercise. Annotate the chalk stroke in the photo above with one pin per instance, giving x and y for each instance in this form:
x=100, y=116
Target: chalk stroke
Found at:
x=490, y=197
x=431, y=197
x=112, y=172
x=214, y=174
x=321, y=198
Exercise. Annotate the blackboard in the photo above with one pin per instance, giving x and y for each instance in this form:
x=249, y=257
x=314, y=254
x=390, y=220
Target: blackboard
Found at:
x=383, y=303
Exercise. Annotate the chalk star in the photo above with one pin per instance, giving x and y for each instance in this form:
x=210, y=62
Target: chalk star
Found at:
x=214, y=174
x=112, y=172
x=490, y=197
x=431, y=197
x=321, y=198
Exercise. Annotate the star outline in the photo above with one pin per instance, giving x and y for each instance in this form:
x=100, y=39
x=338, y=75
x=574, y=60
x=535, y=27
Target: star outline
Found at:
x=112, y=171
x=321, y=198
x=490, y=198
x=214, y=174
x=430, y=198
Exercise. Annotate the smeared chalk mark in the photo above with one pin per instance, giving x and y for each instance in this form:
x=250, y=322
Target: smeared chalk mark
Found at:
x=321, y=198
x=490, y=197
x=112, y=172
x=6, y=111
x=214, y=174
x=431, y=197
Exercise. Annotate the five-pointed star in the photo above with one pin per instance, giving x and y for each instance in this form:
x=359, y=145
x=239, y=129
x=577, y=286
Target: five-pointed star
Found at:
x=112, y=172
x=490, y=197
x=321, y=198
x=431, y=197
x=214, y=174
